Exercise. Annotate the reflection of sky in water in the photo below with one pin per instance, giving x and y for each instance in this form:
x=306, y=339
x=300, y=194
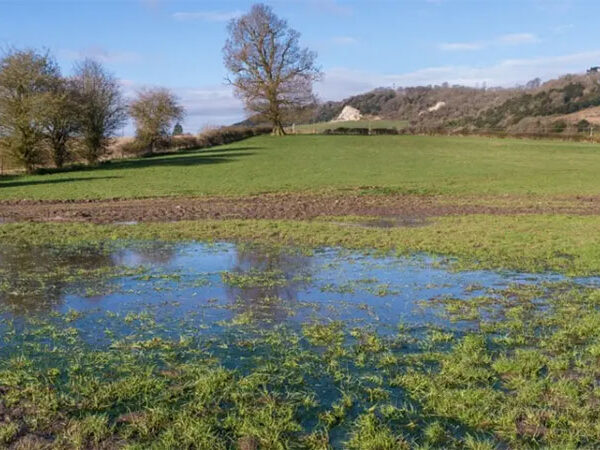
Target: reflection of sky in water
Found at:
x=184, y=281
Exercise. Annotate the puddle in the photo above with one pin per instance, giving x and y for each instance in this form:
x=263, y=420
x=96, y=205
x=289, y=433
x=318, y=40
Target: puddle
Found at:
x=224, y=282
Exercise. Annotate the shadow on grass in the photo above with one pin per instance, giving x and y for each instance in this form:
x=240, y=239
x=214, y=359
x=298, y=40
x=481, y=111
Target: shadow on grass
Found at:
x=18, y=183
x=176, y=159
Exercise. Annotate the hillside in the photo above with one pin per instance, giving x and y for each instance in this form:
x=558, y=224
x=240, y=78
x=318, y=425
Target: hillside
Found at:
x=555, y=105
x=567, y=95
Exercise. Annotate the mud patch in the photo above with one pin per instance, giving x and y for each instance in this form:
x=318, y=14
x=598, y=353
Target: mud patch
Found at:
x=396, y=210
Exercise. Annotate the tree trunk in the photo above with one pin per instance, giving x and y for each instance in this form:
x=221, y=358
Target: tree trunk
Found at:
x=278, y=129
x=60, y=152
x=275, y=116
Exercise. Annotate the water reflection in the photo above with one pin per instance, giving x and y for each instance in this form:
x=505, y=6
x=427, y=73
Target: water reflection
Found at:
x=150, y=253
x=273, y=299
x=36, y=278
x=246, y=283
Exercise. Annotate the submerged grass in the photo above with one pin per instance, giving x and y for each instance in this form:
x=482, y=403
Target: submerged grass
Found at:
x=532, y=243
x=522, y=375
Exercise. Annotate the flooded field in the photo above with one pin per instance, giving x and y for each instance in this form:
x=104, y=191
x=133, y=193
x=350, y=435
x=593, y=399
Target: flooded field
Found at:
x=145, y=344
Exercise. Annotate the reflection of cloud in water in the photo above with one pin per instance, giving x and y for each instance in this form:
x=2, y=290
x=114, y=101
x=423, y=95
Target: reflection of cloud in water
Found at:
x=151, y=253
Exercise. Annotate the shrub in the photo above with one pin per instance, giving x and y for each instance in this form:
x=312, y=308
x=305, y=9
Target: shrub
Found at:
x=348, y=131
x=583, y=125
x=127, y=147
x=361, y=131
x=184, y=141
x=559, y=126
x=208, y=138
x=227, y=135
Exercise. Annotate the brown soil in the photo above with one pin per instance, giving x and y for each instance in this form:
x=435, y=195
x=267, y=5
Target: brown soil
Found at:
x=286, y=206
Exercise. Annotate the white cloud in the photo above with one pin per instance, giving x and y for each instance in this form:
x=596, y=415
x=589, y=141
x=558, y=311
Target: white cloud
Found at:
x=207, y=16
x=344, y=40
x=460, y=46
x=504, y=40
x=101, y=55
x=340, y=83
x=518, y=38
x=561, y=29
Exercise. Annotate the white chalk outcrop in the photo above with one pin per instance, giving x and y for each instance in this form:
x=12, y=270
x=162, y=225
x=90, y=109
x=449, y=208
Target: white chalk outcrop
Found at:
x=348, y=114
x=437, y=106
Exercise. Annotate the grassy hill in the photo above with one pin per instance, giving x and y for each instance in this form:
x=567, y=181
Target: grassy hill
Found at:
x=418, y=164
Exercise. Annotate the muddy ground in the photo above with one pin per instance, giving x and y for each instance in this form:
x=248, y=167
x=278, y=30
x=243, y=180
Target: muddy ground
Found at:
x=286, y=206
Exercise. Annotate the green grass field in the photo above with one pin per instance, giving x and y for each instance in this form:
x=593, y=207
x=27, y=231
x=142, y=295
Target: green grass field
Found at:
x=403, y=164
x=322, y=126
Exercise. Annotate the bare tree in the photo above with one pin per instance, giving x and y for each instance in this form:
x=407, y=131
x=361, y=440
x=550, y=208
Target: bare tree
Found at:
x=61, y=119
x=154, y=112
x=270, y=72
x=26, y=80
x=103, y=110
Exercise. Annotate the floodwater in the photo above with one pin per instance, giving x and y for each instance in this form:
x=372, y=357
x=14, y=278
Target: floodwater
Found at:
x=256, y=311
x=217, y=284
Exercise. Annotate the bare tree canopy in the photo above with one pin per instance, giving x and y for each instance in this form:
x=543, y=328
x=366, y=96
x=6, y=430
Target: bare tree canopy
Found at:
x=61, y=121
x=103, y=110
x=154, y=112
x=26, y=81
x=271, y=73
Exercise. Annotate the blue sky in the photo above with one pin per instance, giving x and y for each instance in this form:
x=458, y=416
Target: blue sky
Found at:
x=361, y=44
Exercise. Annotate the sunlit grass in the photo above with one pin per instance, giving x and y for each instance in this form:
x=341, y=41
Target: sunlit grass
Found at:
x=388, y=164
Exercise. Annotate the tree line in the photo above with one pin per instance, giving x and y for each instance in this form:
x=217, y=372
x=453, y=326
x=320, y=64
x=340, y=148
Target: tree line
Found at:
x=49, y=119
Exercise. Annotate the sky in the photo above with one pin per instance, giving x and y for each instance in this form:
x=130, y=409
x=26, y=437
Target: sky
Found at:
x=361, y=44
